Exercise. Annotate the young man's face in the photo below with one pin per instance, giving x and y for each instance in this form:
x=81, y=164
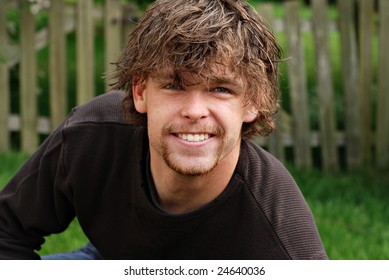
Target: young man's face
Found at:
x=194, y=126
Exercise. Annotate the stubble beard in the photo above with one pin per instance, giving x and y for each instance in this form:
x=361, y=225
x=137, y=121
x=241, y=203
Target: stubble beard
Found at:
x=195, y=169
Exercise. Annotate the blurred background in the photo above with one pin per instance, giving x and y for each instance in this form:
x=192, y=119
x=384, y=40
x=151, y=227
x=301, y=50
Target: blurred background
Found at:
x=333, y=125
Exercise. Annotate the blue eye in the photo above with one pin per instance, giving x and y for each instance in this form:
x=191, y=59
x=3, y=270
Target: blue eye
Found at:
x=222, y=90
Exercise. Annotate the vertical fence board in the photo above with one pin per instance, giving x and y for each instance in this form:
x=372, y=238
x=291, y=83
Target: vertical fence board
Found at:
x=298, y=86
x=382, y=142
x=350, y=83
x=4, y=82
x=327, y=117
x=113, y=35
x=57, y=63
x=276, y=145
x=28, y=81
x=366, y=9
x=85, y=51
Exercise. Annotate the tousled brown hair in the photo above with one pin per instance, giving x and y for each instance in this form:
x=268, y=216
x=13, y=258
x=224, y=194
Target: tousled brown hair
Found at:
x=196, y=35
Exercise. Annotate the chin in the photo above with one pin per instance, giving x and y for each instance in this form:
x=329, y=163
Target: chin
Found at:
x=193, y=170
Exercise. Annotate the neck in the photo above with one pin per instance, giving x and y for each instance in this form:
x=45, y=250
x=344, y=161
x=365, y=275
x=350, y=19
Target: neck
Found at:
x=180, y=194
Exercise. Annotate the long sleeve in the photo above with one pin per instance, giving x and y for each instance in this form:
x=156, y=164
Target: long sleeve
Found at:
x=32, y=204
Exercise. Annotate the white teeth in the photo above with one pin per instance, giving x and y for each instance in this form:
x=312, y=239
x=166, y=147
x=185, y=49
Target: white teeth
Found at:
x=193, y=137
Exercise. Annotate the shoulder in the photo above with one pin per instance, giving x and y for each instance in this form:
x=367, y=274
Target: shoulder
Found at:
x=100, y=118
x=97, y=128
x=105, y=108
x=262, y=168
x=267, y=178
x=270, y=182
x=279, y=198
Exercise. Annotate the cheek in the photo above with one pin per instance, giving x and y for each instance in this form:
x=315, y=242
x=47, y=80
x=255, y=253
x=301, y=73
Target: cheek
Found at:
x=159, y=115
x=231, y=120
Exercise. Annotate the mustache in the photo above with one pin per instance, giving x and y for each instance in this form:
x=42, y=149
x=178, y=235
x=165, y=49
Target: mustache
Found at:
x=209, y=129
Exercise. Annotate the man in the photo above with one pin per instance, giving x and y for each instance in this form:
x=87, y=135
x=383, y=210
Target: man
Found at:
x=166, y=170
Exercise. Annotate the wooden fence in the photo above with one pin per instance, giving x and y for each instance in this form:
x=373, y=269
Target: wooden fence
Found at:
x=362, y=139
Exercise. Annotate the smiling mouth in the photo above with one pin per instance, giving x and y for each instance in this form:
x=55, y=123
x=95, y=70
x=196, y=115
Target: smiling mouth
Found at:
x=197, y=137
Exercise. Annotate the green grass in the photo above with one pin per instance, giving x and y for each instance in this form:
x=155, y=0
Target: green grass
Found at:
x=350, y=210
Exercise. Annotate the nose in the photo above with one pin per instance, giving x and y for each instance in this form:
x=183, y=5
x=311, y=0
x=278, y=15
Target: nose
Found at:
x=195, y=106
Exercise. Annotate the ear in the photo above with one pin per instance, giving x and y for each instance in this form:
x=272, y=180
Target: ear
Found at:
x=139, y=95
x=250, y=113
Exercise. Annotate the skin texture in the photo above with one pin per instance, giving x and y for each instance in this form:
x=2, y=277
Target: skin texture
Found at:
x=194, y=127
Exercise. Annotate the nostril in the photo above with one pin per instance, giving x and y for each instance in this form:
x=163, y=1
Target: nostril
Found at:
x=195, y=111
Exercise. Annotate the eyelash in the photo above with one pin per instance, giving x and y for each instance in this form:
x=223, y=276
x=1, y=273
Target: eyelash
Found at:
x=174, y=86
x=224, y=90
